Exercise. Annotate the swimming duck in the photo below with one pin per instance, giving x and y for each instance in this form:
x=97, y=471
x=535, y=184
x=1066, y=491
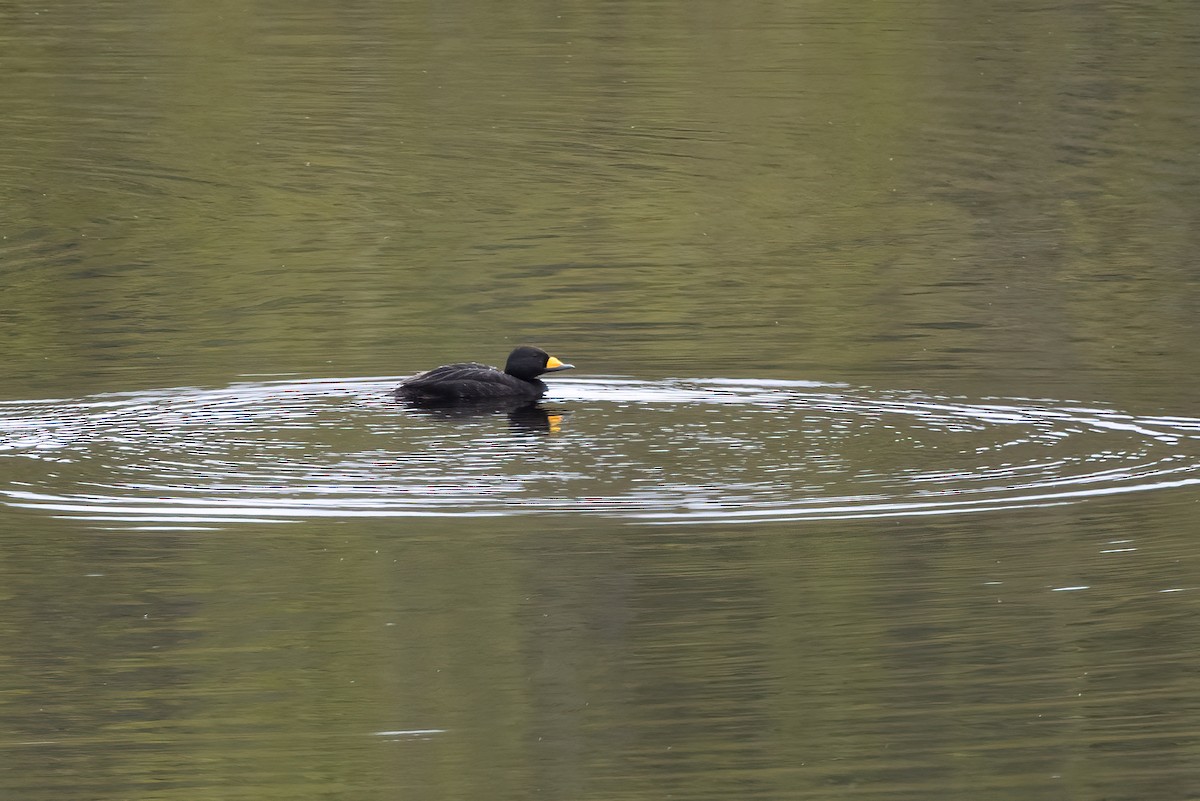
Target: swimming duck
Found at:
x=470, y=381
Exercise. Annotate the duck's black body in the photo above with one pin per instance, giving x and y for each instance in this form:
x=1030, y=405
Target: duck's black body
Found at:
x=471, y=382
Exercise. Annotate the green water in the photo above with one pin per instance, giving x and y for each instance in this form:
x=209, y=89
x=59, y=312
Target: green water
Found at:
x=926, y=269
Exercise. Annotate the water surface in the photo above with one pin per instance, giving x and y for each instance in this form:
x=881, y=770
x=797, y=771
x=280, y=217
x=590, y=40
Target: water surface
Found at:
x=877, y=478
x=696, y=451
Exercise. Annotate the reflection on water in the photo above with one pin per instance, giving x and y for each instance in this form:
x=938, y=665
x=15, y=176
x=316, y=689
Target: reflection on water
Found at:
x=716, y=451
x=522, y=415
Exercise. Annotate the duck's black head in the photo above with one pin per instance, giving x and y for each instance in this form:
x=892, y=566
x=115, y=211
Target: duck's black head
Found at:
x=528, y=363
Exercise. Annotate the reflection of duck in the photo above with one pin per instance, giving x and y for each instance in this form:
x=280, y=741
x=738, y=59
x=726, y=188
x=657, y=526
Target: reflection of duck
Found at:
x=468, y=382
x=535, y=420
x=525, y=417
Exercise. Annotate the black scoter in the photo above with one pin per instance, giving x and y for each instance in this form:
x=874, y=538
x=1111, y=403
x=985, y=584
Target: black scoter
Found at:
x=470, y=381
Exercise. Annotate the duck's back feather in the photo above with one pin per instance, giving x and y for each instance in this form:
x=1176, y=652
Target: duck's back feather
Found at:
x=468, y=380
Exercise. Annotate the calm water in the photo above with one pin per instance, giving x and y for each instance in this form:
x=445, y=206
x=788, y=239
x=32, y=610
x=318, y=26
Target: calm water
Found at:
x=878, y=477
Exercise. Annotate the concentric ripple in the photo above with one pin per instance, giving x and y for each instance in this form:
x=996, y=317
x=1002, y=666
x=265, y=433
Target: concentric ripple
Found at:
x=666, y=452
